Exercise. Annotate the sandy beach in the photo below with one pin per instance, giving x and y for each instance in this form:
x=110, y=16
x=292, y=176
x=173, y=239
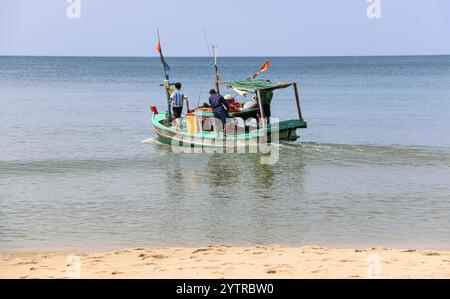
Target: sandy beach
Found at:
x=230, y=262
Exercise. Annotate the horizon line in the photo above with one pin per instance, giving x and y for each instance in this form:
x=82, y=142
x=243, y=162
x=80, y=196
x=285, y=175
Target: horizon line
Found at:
x=245, y=56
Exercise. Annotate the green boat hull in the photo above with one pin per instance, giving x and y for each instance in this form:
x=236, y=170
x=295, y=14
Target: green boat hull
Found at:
x=282, y=131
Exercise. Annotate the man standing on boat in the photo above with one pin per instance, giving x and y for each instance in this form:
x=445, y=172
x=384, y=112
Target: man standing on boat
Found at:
x=177, y=99
x=220, y=108
x=266, y=100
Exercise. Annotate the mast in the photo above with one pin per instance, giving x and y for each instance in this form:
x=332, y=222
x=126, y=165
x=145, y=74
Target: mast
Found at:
x=216, y=68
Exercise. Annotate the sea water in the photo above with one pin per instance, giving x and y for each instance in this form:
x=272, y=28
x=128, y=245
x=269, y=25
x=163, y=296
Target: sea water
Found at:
x=373, y=168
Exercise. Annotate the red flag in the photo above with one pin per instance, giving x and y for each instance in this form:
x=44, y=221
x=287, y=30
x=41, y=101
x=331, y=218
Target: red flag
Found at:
x=265, y=67
x=158, y=47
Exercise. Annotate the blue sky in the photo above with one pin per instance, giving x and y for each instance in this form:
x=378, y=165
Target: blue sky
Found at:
x=238, y=27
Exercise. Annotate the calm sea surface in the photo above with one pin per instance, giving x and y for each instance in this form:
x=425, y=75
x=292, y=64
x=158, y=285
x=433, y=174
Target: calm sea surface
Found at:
x=373, y=168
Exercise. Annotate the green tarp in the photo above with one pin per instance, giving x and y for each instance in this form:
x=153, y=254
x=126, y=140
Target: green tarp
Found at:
x=252, y=85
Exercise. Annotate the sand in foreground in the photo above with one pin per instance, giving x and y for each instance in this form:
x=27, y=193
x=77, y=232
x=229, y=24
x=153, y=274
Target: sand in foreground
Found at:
x=231, y=262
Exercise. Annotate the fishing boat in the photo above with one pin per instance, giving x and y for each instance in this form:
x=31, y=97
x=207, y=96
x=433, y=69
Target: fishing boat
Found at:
x=198, y=129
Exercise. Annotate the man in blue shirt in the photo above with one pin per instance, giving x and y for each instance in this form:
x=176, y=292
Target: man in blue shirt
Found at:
x=220, y=108
x=176, y=100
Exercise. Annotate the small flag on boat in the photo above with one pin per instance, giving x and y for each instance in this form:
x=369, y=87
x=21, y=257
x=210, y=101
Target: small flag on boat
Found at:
x=163, y=61
x=262, y=69
x=265, y=67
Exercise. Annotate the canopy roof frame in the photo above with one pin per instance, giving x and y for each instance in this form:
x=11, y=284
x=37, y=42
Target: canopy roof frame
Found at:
x=253, y=85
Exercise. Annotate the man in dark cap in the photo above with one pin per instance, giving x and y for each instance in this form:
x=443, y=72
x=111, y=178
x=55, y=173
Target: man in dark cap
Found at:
x=220, y=108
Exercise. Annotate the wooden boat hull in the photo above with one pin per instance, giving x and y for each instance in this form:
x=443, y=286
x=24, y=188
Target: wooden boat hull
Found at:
x=283, y=131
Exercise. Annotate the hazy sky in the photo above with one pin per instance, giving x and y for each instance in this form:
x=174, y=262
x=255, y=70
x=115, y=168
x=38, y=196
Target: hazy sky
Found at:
x=238, y=27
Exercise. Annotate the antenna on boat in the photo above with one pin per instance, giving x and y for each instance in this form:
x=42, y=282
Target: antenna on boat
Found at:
x=213, y=58
x=205, y=35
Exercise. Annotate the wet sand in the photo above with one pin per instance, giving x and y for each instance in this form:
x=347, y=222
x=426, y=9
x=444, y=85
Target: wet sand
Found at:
x=230, y=262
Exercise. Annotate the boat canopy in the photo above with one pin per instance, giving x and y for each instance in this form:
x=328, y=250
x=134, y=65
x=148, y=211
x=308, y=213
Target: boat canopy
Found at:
x=253, y=85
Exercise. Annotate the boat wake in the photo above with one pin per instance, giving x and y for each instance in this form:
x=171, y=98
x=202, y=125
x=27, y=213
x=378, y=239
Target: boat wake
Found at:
x=369, y=154
x=151, y=141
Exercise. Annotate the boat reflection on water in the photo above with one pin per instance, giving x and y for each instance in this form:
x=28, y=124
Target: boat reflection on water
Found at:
x=220, y=175
x=315, y=194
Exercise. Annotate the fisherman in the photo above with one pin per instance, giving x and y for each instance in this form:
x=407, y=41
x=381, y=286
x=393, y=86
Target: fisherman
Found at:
x=220, y=108
x=266, y=100
x=177, y=99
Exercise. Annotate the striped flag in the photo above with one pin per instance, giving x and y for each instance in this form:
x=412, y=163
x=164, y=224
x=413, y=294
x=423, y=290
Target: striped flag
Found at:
x=163, y=61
